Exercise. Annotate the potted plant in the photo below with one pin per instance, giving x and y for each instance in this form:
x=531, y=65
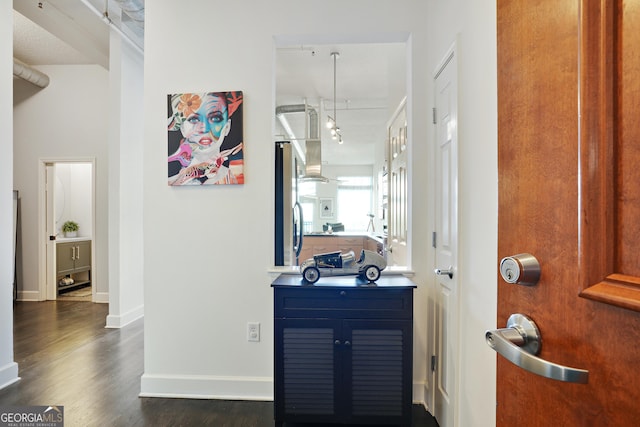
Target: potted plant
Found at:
x=70, y=229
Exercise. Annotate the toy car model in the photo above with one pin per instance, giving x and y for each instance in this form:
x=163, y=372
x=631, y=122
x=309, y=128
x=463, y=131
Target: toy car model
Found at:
x=343, y=264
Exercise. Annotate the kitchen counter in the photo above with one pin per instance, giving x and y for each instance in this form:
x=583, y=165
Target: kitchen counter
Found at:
x=377, y=237
x=343, y=241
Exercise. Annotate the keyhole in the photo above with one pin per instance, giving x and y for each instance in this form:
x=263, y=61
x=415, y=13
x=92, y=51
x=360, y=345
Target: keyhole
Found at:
x=509, y=275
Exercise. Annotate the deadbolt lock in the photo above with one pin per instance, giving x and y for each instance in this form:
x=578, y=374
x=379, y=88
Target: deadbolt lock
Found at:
x=521, y=269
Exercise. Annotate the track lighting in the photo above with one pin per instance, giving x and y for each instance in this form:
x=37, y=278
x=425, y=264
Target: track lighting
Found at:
x=332, y=124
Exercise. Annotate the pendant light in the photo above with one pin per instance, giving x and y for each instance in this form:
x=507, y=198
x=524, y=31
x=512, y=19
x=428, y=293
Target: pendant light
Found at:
x=332, y=122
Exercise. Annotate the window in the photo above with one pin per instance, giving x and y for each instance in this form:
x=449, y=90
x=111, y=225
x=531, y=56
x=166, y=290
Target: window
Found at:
x=354, y=202
x=307, y=215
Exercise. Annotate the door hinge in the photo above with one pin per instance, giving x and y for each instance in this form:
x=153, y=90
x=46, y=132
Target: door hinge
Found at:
x=434, y=115
x=433, y=239
x=433, y=363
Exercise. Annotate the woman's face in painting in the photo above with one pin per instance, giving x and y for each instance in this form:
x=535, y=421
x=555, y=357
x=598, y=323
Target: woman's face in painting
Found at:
x=205, y=126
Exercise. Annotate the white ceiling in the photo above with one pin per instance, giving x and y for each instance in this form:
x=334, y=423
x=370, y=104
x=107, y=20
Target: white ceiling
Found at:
x=69, y=32
x=57, y=32
x=364, y=73
x=35, y=46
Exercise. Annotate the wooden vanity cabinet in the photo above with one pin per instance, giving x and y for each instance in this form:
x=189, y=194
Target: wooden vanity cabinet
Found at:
x=343, y=350
x=73, y=259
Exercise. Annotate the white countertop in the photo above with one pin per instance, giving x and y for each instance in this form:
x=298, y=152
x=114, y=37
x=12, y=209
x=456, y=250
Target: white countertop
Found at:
x=375, y=236
x=72, y=239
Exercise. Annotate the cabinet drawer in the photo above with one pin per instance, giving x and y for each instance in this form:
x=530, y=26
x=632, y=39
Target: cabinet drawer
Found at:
x=363, y=303
x=305, y=254
x=323, y=249
x=349, y=241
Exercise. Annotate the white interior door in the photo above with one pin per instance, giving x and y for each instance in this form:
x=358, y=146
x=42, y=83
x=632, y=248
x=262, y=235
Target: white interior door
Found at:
x=50, y=224
x=446, y=243
x=397, y=149
x=55, y=200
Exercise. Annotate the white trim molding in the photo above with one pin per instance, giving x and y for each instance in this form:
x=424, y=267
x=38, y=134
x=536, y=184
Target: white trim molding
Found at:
x=207, y=387
x=9, y=375
x=101, y=297
x=29, y=296
x=122, y=320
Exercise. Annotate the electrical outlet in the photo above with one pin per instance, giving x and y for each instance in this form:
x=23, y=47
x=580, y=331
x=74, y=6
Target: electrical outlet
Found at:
x=253, y=331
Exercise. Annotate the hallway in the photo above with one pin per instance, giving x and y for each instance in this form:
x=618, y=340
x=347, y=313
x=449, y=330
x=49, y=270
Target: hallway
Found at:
x=67, y=357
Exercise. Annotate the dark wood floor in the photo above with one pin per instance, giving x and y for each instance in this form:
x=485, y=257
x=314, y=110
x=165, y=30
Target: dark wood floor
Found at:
x=66, y=357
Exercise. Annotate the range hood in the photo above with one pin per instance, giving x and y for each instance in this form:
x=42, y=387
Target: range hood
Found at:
x=313, y=149
x=313, y=164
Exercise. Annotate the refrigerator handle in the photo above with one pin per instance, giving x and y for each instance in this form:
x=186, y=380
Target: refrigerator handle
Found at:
x=297, y=230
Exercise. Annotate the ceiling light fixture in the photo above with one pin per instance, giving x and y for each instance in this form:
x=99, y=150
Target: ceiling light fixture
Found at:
x=332, y=124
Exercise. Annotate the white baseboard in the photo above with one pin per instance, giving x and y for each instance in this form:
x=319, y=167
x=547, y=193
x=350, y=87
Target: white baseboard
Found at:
x=101, y=297
x=228, y=388
x=28, y=296
x=426, y=396
x=8, y=375
x=31, y=296
x=207, y=387
x=122, y=320
x=418, y=392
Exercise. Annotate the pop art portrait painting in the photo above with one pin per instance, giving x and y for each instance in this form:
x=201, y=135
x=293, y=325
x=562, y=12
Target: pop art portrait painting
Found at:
x=205, y=138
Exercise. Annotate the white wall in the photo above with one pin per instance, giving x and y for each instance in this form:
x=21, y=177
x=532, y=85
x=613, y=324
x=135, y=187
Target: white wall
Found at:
x=73, y=196
x=126, y=182
x=473, y=23
x=208, y=250
x=66, y=120
x=8, y=368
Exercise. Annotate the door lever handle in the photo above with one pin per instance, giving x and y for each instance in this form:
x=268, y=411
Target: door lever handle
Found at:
x=519, y=343
x=443, y=272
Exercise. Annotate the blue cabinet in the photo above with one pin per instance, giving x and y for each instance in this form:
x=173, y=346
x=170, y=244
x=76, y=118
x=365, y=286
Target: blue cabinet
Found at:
x=343, y=350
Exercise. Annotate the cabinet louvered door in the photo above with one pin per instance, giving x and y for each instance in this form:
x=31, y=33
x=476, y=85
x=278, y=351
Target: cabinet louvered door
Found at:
x=307, y=374
x=379, y=369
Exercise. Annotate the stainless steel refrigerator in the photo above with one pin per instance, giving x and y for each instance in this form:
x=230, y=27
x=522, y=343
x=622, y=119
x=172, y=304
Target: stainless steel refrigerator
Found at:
x=288, y=212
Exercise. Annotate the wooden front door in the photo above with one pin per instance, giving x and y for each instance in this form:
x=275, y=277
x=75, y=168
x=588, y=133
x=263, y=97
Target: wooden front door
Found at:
x=569, y=193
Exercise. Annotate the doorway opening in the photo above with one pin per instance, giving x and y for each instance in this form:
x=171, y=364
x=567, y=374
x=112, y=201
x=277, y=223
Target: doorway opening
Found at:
x=341, y=184
x=67, y=219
